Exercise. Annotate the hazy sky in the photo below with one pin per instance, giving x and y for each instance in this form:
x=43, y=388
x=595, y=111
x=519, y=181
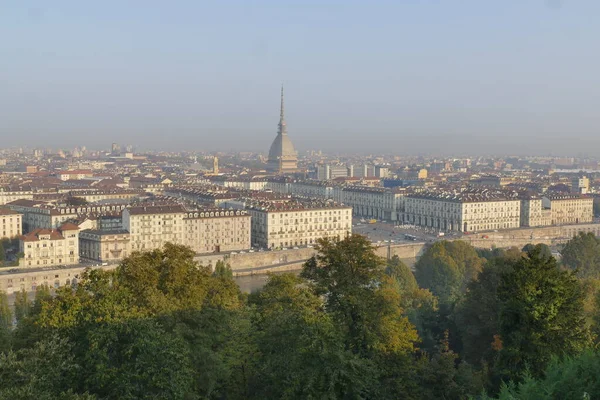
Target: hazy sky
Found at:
x=405, y=76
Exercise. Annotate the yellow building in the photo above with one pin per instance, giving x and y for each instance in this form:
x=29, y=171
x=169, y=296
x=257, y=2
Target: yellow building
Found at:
x=11, y=223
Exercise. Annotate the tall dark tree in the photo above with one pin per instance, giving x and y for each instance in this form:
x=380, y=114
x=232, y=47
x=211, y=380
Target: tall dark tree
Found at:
x=541, y=316
x=583, y=254
x=302, y=353
x=477, y=315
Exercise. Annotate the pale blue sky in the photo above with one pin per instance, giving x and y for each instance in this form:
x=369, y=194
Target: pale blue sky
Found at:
x=405, y=76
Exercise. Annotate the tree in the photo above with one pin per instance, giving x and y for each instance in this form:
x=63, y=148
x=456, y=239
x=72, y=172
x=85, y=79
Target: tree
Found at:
x=477, y=315
x=2, y=254
x=359, y=296
x=22, y=305
x=541, y=316
x=6, y=322
x=223, y=270
x=446, y=268
x=135, y=359
x=582, y=253
x=401, y=274
x=570, y=378
x=45, y=371
x=543, y=249
x=302, y=352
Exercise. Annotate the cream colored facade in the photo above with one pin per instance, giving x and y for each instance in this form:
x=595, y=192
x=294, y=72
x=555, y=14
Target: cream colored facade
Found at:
x=569, y=209
x=217, y=230
x=48, y=247
x=280, y=227
x=384, y=204
x=211, y=230
x=533, y=213
x=11, y=223
x=104, y=246
x=461, y=212
x=8, y=196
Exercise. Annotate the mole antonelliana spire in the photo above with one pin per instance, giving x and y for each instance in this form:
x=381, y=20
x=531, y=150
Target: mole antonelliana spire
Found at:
x=282, y=156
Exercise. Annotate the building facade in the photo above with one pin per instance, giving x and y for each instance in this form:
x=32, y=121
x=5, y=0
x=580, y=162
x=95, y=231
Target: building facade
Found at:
x=12, y=225
x=210, y=230
x=466, y=211
x=50, y=247
x=104, y=246
x=569, y=208
x=297, y=223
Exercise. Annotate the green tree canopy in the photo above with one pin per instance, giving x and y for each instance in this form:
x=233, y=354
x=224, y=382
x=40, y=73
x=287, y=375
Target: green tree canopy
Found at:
x=583, y=254
x=446, y=268
x=541, y=316
x=359, y=296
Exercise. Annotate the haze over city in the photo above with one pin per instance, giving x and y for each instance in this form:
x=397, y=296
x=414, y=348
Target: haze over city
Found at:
x=407, y=77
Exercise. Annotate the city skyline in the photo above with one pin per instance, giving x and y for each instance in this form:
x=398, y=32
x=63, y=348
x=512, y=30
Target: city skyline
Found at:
x=506, y=78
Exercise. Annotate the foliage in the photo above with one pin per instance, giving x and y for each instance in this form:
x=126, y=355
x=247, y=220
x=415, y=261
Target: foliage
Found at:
x=543, y=249
x=6, y=322
x=477, y=315
x=74, y=201
x=401, y=274
x=541, y=316
x=446, y=268
x=359, y=296
x=570, y=378
x=582, y=253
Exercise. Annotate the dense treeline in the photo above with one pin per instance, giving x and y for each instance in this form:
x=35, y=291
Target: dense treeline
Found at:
x=466, y=324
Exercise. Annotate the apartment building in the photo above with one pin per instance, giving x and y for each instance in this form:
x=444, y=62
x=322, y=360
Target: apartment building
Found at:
x=533, y=214
x=466, y=211
x=216, y=230
x=151, y=227
x=11, y=223
x=50, y=247
x=39, y=214
x=7, y=195
x=104, y=246
x=569, y=208
x=379, y=203
x=297, y=222
x=205, y=230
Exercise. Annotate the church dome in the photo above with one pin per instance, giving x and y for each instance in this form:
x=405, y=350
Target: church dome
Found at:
x=282, y=147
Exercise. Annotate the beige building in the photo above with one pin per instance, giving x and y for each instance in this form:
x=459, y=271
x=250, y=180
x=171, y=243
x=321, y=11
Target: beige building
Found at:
x=11, y=223
x=569, y=208
x=297, y=223
x=216, y=230
x=39, y=214
x=7, y=195
x=151, y=227
x=212, y=230
x=104, y=246
x=533, y=213
x=467, y=211
x=48, y=247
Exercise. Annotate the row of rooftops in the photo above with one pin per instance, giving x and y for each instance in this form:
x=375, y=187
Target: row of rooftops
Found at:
x=188, y=213
x=487, y=194
x=295, y=204
x=49, y=234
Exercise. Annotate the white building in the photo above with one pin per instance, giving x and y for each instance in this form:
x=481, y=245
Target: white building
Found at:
x=12, y=225
x=48, y=247
x=297, y=222
x=467, y=211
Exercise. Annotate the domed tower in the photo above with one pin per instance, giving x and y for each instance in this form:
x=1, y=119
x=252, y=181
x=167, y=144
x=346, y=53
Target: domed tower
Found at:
x=282, y=156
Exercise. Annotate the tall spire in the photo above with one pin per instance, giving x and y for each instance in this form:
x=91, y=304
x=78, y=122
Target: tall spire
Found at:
x=282, y=126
